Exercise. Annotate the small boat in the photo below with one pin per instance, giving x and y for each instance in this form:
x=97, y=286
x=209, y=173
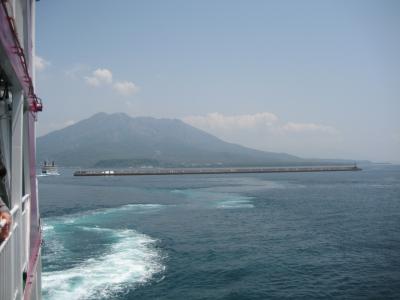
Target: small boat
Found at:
x=49, y=168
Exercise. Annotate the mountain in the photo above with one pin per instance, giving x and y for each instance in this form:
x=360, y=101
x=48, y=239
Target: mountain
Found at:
x=118, y=140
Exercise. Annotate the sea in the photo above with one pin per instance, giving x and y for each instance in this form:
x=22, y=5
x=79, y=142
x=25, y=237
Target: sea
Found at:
x=328, y=235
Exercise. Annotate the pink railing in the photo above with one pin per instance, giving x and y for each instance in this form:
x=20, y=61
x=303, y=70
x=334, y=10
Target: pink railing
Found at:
x=14, y=253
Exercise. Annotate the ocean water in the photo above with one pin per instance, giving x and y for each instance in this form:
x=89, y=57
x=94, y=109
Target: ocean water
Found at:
x=254, y=236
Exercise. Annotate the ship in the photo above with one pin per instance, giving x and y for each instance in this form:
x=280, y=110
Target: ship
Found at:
x=20, y=248
x=49, y=168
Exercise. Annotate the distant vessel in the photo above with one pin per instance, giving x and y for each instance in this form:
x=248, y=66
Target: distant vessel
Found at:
x=49, y=168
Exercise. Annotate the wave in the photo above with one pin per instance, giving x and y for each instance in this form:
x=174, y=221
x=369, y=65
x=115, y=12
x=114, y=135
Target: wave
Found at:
x=216, y=199
x=130, y=260
x=240, y=202
x=100, y=214
x=230, y=193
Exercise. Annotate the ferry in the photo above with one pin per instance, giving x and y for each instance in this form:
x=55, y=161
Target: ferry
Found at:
x=21, y=237
x=49, y=168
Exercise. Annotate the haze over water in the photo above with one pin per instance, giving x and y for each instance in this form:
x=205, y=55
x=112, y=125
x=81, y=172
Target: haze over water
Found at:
x=256, y=236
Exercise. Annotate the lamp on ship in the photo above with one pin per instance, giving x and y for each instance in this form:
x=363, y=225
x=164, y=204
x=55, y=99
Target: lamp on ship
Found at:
x=36, y=104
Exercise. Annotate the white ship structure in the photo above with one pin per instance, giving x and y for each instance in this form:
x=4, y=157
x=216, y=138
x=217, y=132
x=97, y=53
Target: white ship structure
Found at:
x=49, y=168
x=20, y=250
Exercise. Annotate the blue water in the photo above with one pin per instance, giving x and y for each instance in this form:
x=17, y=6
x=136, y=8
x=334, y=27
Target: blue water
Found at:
x=256, y=236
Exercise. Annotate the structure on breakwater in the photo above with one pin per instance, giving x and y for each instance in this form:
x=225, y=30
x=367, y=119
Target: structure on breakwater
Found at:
x=195, y=171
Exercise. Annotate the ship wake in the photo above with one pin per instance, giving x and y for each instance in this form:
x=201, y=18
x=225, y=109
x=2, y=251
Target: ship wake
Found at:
x=122, y=258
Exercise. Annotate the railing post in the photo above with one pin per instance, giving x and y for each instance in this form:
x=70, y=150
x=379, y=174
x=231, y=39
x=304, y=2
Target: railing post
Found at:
x=16, y=183
x=25, y=230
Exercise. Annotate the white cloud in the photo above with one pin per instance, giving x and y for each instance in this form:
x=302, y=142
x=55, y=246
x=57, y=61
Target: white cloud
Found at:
x=76, y=71
x=266, y=131
x=40, y=63
x=92, y=81
x=220, y=121
x=308, y=127
x=99, y=77
x=264, y=121
x=104, y=77
x=125, y=88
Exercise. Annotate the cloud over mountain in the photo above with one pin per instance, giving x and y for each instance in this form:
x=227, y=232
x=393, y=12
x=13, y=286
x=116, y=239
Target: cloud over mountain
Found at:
x=99, y=77
x=104, y=77
x=125, y=88
x=264, y=120
x=266, y=131
x=218, y=120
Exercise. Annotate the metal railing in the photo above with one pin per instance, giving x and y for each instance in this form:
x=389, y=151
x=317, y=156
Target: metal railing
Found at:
x=14, y=252
x=25, y=222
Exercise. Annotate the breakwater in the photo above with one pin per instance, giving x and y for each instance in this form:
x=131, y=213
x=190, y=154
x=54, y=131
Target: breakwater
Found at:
x=195, y=171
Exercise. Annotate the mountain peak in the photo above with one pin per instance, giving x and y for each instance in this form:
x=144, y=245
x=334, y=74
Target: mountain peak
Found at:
x=134, y=140
x=102, y=115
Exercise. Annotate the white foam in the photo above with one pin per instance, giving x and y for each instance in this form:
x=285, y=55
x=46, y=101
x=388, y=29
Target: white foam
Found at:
x=47, y=227
x=218, y=199
x=134, y=207
x=139, y=208
x=247, y=183
x=243, y=203
x=54, y=250
x=132, y=260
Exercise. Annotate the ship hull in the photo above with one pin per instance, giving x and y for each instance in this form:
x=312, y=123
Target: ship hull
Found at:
x=20, y=252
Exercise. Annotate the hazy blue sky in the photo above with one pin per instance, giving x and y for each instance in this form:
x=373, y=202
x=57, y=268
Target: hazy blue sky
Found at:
x=311, y=78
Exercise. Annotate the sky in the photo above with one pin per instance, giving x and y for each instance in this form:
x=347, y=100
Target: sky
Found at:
x=317, y=79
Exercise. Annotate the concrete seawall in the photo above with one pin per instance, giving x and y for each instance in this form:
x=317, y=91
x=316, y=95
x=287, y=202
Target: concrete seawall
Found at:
x=197, y=171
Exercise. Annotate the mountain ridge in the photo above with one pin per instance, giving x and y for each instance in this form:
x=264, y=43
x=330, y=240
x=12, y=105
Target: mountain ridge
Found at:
x=117, y=137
